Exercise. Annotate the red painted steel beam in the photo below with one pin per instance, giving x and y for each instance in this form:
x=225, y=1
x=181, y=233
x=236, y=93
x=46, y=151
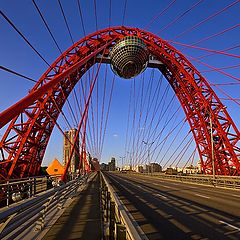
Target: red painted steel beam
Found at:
x=10, y=113
x=24, y=143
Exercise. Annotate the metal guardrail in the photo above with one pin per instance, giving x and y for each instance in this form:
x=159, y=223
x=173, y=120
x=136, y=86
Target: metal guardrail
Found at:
x=118, y=222
x=16, y=220
x=19, y=189
x=218, y=181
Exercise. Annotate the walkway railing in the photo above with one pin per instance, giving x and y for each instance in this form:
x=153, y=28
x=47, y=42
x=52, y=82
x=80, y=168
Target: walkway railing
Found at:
x=118, y=222
x=33, y=212
x=19, y=189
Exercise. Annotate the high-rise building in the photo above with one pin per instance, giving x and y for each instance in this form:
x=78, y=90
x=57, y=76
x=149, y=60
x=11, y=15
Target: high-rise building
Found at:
x=112, y=164
x=67, y=146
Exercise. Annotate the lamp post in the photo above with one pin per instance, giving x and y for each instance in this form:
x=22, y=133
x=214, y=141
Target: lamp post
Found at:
x=130, y=154
x=149, y=147
x=212, y=147
x=122, y=161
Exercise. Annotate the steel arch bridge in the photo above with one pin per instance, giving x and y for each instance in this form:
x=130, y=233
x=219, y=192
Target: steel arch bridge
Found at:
x=32, y=118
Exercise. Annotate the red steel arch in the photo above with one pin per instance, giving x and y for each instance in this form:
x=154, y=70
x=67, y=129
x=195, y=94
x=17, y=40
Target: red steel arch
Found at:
x=32, y=119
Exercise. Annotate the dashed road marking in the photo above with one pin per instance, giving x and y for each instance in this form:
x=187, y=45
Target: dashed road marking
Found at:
x=230, y=225
x=203, y=196
x=236, y=195
x=168, y=187
x=160, y=195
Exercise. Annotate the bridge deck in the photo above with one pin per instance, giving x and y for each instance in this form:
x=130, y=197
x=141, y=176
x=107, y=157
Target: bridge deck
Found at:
x=82, y=219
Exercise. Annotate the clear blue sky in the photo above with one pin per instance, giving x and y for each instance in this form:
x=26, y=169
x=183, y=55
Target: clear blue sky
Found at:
x=17, y=55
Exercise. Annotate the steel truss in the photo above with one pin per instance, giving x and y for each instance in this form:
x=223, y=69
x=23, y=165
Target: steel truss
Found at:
x=32, y=119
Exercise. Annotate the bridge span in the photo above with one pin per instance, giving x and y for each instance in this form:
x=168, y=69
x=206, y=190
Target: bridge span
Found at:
x=174, y=210
x=125, y=206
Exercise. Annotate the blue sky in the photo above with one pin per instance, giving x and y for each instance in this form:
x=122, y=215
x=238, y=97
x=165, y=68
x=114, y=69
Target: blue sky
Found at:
x=17, y=55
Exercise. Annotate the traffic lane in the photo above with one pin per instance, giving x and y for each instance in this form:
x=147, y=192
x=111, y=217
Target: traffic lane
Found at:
x=222, y=220
x=224, y=191
x=183, y=218
x=221, y=204
x=229, y=203
x=220, y=215
x=221, y=199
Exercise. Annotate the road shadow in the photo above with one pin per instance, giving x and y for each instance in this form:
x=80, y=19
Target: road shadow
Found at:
x=82, y=219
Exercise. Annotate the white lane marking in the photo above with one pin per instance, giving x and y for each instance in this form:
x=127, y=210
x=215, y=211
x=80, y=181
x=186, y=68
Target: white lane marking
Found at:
x=230, y=225
x=201, y=195
x=175, y=183
x=168, y=187
x=160, y=195
x=236, y=195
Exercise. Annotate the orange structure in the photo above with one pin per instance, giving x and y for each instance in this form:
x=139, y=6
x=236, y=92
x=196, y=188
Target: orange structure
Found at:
x=55, y=168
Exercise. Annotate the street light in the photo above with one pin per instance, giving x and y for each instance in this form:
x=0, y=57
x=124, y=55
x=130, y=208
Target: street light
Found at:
x=122, y=161
x=130, y=153
x=212, y=147
x=212, y=140
x=149, y=147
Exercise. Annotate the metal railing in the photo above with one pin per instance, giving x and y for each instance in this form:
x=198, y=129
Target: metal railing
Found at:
x=232, y=182
x=118, y=222
x=18, y=189
x=15, y=220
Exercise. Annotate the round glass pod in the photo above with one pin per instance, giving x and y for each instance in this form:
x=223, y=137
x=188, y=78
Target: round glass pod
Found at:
x=129, y=57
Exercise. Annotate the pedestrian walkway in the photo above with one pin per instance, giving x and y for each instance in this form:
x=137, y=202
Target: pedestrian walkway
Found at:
x=82, y=219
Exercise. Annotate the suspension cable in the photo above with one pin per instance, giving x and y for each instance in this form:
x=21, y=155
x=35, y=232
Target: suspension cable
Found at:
x=65, y=20
x=124, y=12
x=177, y=149
x=81, y=17
x=205, y=20
x=103, y=108
x=95, y=13
x=108, y=111
x=222, y=68
x=206, y=49
x=25, y=39
x=226, y=49
x=110, y=13
x=163, y=142
x=17, y=74
x=183, y=151
x=215, y=69
x=223, y=92
x=216, y=34
x=46, y=25
x=179, y=17
x=173, y=140
x=159, y=14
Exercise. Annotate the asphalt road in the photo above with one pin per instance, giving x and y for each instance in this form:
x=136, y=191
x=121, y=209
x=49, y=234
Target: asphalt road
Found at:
x=174, y=210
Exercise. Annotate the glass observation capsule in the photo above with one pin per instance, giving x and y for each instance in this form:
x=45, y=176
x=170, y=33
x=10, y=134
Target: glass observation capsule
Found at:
x=129, y=57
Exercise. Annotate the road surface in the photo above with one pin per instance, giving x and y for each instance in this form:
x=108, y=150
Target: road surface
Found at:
x=173, y=210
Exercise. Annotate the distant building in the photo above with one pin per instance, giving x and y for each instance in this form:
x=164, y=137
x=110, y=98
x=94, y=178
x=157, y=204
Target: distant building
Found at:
x=155, y=167
x=55, y=168
x=127, y=167
x=67, y=146
x=112, y=164
x=199, y=166
x=171, y=171
x=95, y=165
x=138, y=168
x=104, y=167
x=191, y=169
